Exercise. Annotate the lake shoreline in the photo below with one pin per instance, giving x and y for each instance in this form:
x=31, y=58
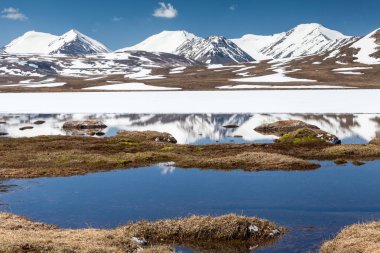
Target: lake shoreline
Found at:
x=56, y=156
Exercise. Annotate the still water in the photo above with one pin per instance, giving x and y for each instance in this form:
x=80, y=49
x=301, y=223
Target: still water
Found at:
x=198, y=128
x=314, y=205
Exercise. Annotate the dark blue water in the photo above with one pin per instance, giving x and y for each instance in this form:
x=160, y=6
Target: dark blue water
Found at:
x=314, y=204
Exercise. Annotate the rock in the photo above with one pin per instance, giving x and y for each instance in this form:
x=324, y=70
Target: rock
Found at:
x=309, y=136
x=26, y=128
x=3, y=133
x=136, y=136
x=139, y=241
x=2, y=122
x=39, y=122
x=85, y=124
x=253, y=229
x=274, y=232
x=231, y=126
x=282, y=127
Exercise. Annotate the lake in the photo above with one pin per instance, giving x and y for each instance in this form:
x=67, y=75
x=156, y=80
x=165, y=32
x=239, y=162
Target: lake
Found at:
x=314, y=205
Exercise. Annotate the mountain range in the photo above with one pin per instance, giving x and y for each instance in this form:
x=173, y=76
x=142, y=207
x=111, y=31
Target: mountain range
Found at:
x=70, y=43
x=303, y=40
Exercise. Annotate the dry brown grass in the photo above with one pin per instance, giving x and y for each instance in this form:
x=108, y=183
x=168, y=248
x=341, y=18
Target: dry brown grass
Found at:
x=51, y=156
x=375, y=141
x=201, y=78
x=67, y=156
x=205, y=228
x=353, y=151
x=253, y=161
x=359, y=238
x=20, y=235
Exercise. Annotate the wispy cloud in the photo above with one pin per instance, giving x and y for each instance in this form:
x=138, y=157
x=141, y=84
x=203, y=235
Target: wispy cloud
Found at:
x=165, y=11
x=117, y=19
x=13, y=14
x=233, y=7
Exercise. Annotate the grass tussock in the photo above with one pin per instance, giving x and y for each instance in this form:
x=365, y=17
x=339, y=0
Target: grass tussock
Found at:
x=359, y=238
x=375, y=141
x=206, y=228
x=20, y=235
x=255, y=161
x=355, y=151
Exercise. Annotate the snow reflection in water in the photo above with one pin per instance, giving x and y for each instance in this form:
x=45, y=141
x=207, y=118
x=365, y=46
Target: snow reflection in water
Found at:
x=200, y=128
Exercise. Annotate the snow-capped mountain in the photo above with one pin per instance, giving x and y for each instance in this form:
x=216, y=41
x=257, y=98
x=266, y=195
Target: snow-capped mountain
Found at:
x=76, y=43
x=303, y=40
x=70, y=43
x=31, y=43
x=166, y=41
x=213, y=50
x=368, y=48
x=253, y=44
x=89, y=65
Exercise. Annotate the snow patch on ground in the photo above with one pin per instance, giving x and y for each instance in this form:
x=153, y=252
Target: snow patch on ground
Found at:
x=250, y=86
x=350, y=73
x=272, y=101
x=178, y=70
x=367, y=46
x=351, y=69
x=278, y=77
x=130, y=86
x=144, y=74
x=221, y=66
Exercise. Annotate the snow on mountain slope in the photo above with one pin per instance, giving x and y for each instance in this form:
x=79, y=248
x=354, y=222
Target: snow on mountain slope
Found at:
x=213, y=50
x=369, y=48
x=305, y=39
x=31, y=43
x=76, y=43
x=166, y=41
x=71, y=43
x=253, y=44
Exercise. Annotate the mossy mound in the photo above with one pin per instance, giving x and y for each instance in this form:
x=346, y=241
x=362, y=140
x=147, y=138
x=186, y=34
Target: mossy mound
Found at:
x=282, y=127
x=308, y=136
x=135, y=136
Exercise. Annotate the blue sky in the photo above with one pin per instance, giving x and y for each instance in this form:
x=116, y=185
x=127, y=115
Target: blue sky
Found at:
x=120, y=23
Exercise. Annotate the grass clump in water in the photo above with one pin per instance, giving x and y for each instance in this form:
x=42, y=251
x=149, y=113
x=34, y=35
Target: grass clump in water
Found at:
x=363, y=238
x=20, y=235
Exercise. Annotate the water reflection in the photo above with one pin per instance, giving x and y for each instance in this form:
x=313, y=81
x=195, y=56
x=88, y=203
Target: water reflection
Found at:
x=313, y=204
x=200, y=128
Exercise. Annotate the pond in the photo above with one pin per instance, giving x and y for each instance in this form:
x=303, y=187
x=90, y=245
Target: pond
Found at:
x=314, y=205
x=198, y=128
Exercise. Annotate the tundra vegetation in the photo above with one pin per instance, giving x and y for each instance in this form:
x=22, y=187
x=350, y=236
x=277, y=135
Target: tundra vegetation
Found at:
x=19, y=234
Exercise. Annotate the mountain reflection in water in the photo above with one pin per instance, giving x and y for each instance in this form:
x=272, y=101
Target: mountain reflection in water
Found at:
x=199, y=128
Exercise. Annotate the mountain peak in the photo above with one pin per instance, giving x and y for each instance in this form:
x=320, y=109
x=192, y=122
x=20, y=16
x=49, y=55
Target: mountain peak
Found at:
x=165, y=41
x=72, y=43
x=75, y=43
x=213, y=50
x=306, y=29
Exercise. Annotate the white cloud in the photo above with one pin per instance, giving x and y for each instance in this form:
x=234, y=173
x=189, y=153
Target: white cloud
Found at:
x=13, y=14
x=233, y=7
x=165, y=11
x=117, y=19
